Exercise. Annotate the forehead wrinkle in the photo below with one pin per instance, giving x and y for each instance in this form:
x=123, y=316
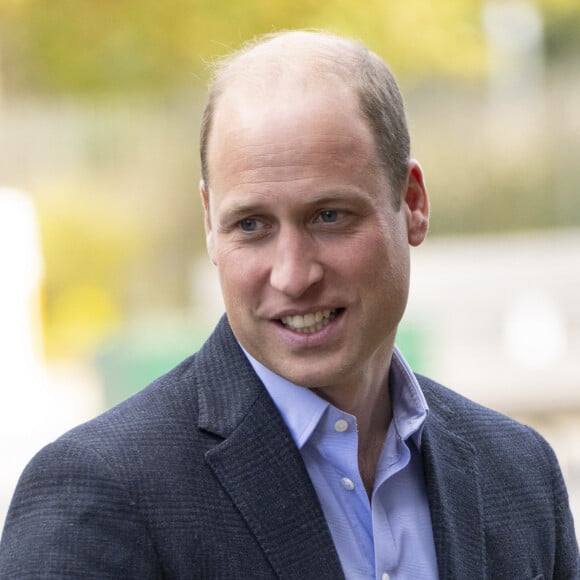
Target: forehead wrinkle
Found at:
x=276, y=168
x=249, y=195
x=275, y=165
x=280, y=179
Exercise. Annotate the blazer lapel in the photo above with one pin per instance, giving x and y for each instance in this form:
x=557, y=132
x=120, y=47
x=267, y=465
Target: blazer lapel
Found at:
x=260, y=467
x=453, y=490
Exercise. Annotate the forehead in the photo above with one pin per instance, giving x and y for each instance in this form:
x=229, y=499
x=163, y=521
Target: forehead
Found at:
x=290, y=146
x=318, y=117
x=283, y=95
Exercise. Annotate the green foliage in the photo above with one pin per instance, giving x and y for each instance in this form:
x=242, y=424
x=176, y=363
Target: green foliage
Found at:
x=87, y=47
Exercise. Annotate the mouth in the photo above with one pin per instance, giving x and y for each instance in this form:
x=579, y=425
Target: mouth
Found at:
x=311, y=322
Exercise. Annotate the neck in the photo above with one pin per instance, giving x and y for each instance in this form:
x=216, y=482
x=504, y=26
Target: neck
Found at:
x=373, y=422
x=370, y=402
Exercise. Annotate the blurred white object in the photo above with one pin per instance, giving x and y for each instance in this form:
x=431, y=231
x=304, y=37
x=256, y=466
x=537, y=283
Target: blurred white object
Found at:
x=21, y=270
x=23, y=385
x=534, y=332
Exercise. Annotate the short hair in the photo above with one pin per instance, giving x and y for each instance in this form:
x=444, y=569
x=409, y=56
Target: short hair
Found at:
x=350, y=61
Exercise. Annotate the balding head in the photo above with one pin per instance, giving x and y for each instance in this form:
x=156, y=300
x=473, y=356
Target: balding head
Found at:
x=304, y=58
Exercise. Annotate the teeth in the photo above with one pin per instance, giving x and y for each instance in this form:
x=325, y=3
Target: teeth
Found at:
x=311, y=322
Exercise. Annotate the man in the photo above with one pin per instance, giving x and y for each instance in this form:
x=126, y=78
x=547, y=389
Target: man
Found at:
x=298, y=443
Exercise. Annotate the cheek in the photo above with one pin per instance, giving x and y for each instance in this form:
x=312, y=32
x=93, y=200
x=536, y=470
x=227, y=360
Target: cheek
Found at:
x=240, y=274
x=382, y=263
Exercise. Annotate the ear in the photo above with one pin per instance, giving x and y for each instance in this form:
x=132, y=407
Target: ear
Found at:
x=209, y=242
x=416, y=204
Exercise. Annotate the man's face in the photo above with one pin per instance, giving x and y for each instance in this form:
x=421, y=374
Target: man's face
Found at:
x=313, y=257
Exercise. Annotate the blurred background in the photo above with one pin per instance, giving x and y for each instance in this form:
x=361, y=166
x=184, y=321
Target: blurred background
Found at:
x=104, y=280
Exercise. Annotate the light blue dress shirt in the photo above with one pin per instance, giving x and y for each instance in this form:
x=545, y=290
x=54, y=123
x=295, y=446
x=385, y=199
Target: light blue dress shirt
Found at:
x=390, y=536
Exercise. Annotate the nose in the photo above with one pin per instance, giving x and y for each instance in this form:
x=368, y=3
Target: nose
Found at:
x=295, y=264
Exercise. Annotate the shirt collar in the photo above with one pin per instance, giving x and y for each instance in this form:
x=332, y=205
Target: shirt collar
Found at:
x=410, y=408
x=302, y=409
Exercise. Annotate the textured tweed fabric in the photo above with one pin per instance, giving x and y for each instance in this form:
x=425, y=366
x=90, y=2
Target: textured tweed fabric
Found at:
x=197, y=477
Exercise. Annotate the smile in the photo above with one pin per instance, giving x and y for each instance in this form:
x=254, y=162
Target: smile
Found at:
x=311, y=322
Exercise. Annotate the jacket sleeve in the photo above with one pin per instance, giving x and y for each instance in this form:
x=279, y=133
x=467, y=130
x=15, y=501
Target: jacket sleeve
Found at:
x=71, y=517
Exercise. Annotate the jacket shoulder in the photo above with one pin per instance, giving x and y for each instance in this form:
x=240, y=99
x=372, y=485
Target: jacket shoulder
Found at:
x=468, y=418
x=521, y=490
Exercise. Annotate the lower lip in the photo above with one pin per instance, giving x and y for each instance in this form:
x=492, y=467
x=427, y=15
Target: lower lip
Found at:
x=314, y=339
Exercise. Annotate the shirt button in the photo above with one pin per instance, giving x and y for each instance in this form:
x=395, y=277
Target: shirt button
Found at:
x=385, y=576
x=341, y=425
x=347, y=483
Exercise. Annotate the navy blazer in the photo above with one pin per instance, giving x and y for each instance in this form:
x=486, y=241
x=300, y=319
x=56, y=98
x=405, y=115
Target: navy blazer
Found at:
x=197, y=476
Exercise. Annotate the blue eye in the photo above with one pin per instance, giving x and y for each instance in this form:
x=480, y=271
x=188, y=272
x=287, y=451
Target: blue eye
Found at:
x=249, y=225
x=329, y=216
